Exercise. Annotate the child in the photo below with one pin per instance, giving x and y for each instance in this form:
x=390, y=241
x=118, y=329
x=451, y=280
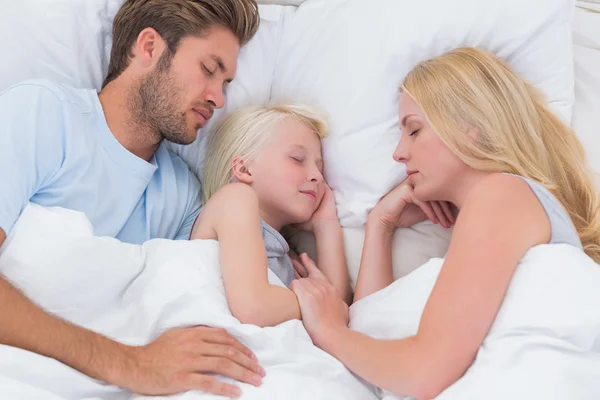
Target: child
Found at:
x=264, y=171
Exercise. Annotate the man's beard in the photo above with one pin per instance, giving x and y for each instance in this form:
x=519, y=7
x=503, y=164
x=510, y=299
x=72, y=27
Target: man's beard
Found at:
x=155, y=106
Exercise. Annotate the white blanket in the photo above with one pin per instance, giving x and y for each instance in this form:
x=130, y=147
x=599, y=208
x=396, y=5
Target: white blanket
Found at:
x=132, y=294
x=544, y=343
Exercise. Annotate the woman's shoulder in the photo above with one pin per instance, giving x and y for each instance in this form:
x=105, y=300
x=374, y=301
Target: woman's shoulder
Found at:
x=499, y=187
x=507, y=202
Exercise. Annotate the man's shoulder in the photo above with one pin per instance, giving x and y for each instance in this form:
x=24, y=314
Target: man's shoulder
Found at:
x=177, y=167
x=47, y=91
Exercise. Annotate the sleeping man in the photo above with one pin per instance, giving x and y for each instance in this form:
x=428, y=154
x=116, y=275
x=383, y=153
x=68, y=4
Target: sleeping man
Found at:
x=103, y=154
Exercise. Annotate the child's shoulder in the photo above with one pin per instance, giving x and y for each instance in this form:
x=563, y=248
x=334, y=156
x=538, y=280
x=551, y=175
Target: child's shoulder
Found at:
x=233, y=202
x=233, y=193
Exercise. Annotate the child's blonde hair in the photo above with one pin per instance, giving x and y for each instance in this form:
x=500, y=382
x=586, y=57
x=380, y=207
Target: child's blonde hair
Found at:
x=517, y=132
x=245, y=133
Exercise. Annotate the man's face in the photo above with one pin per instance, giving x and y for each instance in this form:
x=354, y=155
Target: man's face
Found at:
x=181, y=94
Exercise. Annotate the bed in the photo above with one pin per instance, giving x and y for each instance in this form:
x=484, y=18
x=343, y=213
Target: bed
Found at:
x=341, y=55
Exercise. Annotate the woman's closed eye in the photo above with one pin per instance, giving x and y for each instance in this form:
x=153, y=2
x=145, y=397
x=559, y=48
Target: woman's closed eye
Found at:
x=412, y=133
x=297, y=159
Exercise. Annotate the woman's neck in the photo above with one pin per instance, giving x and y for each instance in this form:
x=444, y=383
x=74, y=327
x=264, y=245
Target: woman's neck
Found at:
x=463, y=186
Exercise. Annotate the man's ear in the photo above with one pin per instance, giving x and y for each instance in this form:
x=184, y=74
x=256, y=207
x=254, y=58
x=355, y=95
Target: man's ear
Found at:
x=240, y=170
x=148, y=47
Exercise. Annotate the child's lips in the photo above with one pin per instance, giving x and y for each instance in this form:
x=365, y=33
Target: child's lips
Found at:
x=310, y=193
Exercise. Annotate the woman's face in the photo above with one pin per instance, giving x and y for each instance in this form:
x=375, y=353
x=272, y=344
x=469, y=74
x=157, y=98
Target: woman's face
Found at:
x=431, y=167
x=287, y=175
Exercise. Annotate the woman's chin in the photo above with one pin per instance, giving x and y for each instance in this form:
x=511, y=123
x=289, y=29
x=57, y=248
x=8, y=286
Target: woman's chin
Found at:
x=422, y=193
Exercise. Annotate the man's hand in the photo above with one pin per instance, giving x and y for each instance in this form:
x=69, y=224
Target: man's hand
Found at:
x=175, y=362
x=179, y=359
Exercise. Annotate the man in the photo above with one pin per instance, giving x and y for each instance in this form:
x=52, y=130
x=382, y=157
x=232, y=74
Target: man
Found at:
x=103, y=154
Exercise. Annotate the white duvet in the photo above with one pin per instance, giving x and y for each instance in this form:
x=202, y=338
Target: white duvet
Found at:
x=133, y=293
x=544, y=343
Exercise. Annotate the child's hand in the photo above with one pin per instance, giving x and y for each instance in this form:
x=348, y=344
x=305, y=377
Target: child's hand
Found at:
x=326, y=212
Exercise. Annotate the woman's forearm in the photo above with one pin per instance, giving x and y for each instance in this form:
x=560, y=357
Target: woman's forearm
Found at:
x=402, y=366
x=331, y=257
x=375, y=271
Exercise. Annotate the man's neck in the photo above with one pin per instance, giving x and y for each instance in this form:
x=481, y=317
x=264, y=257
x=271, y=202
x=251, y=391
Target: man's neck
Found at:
x=136, y=138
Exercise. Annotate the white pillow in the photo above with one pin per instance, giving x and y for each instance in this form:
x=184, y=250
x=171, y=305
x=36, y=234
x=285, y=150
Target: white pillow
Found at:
x=62, y=40
x=349, y=57
x=282, y=2
x=586, y=117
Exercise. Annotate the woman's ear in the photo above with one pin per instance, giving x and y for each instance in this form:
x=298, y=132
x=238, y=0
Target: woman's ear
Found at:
x=240, y=170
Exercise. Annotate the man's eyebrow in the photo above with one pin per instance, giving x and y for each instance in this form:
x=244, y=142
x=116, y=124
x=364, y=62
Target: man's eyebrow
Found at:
x=221, y=66
x=219, y=62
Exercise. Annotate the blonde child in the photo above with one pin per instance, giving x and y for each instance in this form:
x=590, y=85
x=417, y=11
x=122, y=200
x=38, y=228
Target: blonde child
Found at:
x=264, y=171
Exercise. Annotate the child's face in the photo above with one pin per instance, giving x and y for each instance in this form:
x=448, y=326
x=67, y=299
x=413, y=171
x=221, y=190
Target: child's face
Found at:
x=287, y=175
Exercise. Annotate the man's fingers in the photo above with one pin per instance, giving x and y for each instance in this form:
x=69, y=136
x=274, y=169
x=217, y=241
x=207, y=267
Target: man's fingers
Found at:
x=211, y=385
x=235, y=355
x=220, y=336
x=226, y=367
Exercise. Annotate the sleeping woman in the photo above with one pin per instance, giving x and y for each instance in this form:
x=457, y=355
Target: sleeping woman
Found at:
x=264, y=171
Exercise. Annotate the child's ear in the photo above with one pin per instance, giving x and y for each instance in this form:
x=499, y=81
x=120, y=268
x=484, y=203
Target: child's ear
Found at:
x=240, y=170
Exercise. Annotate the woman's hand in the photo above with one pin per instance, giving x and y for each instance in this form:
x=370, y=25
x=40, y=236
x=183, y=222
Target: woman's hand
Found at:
x=305, y=267
x=323, y=311
x=326, y=212
x=400, y=208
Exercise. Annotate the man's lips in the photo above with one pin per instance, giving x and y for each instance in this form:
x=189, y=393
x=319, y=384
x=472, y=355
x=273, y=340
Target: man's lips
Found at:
x=205, y=114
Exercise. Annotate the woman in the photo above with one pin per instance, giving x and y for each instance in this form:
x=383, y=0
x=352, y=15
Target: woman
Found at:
x=264, y=170
x=476, y=135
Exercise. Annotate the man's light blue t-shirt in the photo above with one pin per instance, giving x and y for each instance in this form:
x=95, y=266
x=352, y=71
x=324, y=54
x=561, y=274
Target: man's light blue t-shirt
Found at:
x=56, y=149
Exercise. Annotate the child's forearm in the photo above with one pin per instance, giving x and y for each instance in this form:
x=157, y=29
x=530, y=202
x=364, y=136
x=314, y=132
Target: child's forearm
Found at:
x=331, y=256
x=268, y=306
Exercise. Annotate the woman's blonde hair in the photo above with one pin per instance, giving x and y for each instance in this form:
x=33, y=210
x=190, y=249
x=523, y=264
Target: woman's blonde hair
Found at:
x=245, y=133
x=469, y=88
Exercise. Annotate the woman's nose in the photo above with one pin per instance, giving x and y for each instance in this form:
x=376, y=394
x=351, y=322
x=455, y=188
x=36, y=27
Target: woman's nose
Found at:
x=400, y=154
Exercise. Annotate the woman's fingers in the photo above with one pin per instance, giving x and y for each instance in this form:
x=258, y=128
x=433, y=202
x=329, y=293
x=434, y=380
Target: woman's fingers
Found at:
x=447, y=208
x=428, y=210
x=439, y=213
x=299, y=269
x=311, y=268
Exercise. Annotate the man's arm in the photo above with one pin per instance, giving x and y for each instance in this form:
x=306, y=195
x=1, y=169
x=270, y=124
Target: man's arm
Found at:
x=181, y=353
